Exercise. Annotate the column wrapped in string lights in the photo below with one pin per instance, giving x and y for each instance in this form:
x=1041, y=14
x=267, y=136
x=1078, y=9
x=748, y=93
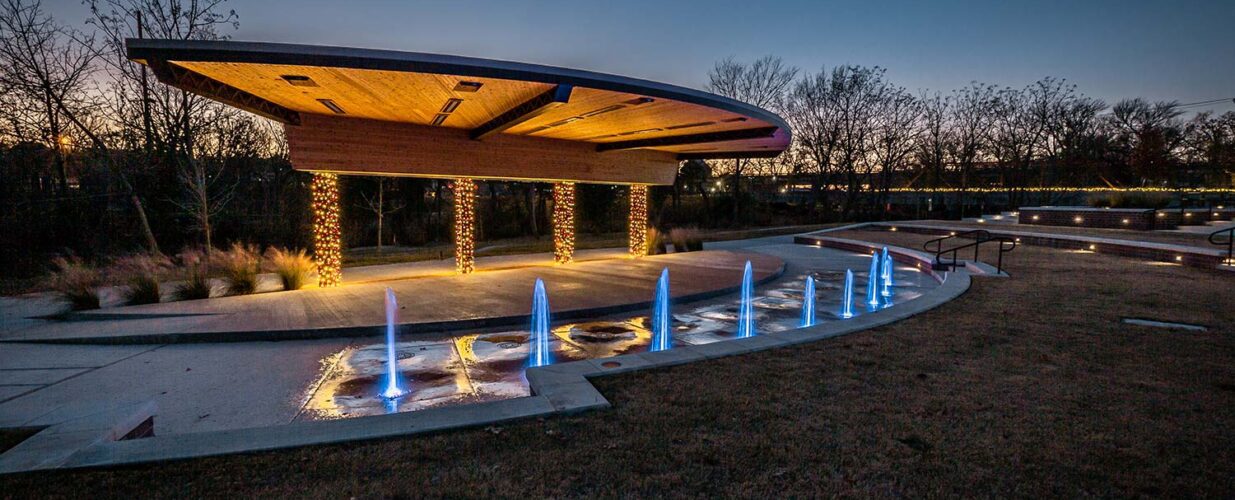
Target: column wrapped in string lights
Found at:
x=638, y=220
x=327, y=241
x=465, y=225
x=563, y=222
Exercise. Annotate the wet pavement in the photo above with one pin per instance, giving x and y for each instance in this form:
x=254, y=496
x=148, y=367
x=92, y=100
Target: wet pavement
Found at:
x=489, y=365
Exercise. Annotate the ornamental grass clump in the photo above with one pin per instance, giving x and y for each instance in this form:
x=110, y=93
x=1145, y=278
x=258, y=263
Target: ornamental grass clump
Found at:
x=240, y=266
x=142, y=274
x=686, y=239
x=292, y=266
x=76, y=282
x=656, y=242
x=196, y=276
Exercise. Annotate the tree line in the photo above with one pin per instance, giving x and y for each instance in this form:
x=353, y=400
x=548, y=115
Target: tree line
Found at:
x=857, y=135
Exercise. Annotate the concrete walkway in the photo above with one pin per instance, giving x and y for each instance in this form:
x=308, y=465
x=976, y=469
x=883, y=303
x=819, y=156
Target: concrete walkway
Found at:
x=431, y=296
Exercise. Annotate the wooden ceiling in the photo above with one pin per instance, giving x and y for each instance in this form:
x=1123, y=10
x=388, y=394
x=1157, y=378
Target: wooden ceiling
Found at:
x=477, y=98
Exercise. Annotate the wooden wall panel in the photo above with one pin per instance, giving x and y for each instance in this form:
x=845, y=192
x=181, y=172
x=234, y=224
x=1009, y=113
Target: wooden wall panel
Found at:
x=360, y=146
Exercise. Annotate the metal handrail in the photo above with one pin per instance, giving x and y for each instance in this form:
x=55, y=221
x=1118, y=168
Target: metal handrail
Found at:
x=981, y=235
x=1006, y=245
x=1230, y=243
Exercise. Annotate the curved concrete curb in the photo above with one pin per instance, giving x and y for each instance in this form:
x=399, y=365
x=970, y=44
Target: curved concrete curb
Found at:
x=556, y=389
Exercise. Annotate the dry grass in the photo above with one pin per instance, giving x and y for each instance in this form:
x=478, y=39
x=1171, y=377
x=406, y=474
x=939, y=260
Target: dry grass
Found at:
x=1028, y=387
x=292, y=266
x=196, y=276
x=141, y=274
x=77, y=282
x=240, y=266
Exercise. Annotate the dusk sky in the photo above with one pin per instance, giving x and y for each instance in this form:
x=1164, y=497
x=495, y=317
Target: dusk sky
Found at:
x=1177, y=50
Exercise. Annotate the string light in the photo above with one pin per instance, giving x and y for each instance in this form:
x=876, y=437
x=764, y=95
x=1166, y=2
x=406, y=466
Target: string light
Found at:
x=1061, y=190
x=327, y=243
x=465, y=225
x=563, y=222
x=638, y=220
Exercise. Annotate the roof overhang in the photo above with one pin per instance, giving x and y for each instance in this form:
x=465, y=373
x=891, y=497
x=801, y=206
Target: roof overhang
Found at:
x=405, y=113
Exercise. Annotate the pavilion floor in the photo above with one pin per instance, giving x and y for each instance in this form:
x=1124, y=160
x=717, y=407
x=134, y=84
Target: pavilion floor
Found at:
x=431, y=296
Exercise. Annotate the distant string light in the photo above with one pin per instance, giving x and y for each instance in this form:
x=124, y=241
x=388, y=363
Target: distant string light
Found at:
x=1063, y=190
x=465, y=225
x=327, y=241
x=638, y=220
x=563, y=222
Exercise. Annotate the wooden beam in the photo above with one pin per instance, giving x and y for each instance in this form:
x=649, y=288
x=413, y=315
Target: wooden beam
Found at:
x=552, y=98
x=678, y=140
x=190, y=81
x=345, y=145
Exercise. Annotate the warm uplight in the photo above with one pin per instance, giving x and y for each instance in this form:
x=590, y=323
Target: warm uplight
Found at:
x=563, y=222
x=638, y=220
x=1125, y=221
x=464, y=191
x=894, y=229
x=327, y=241
x=1078, y=220
x=1093, y=247
x=1179, y=258
x=981, y=221
x=1035, y=217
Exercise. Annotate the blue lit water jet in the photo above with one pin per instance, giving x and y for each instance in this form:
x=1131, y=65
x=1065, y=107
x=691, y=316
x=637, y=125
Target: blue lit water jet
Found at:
x=746, y=310
x=846, y=301
x=808, y=303
x=662, y=338
x=539, y=354
x=872, y=282
x=886, y=275
x=392, y=361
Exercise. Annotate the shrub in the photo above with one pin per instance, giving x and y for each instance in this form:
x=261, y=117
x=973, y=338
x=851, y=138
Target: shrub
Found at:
x=686, y=239
x=142, y=274
x=656, y=242
x=196, y=284
x=293, y=267
x=76, y=282
x=240, y=266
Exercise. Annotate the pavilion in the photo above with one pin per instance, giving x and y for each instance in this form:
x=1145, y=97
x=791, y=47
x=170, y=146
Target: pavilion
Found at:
x=380, y=112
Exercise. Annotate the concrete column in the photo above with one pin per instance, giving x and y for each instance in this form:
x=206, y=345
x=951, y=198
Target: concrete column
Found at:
x=563, y=222
x=327, y=237
x=638, y=220
x=464, y=190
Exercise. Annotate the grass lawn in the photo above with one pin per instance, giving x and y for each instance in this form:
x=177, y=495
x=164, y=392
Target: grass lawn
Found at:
x=1028, y=386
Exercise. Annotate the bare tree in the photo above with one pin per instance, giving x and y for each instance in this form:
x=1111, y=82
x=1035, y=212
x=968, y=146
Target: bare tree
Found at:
x=1146, y=135
x=897, y=130
x=935, y=140
x=380, y=207
x=969, y=120
x=762, y=83
x=52, y=64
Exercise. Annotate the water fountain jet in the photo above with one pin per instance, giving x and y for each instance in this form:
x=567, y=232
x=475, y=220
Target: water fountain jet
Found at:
x=886, y=275
x=746, y=310
x=539, y=354
x=662, y=339
x=392, y=361
x=846, y=302
x=808, y=303
x=872, y=282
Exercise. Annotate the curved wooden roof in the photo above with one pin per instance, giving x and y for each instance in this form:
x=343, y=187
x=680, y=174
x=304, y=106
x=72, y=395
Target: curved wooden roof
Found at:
x=504, y=109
